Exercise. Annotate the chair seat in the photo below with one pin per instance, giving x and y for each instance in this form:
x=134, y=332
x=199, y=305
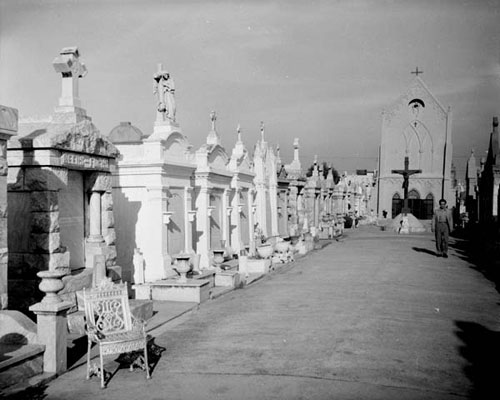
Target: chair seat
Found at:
x=122, y=337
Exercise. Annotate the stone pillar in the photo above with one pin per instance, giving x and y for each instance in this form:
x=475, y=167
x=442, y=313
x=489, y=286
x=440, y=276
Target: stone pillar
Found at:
x=273, y=204
x=285, y=212
x=203, y=227
x=251, y=221
x=225, y=217
x=95, y=218
x=235, y=222
x=158, y=262
x=8, y=128
x=51, y=323
x=189, y=218
x=101, y=221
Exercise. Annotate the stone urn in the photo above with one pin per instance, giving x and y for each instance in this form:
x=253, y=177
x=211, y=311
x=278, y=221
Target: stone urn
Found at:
x=183, y=266
x=265, y=250
x=51, y=284
x=218, y=257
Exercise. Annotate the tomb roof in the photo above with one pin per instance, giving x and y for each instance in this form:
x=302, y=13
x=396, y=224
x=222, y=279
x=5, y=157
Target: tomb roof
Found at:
x=125, y=132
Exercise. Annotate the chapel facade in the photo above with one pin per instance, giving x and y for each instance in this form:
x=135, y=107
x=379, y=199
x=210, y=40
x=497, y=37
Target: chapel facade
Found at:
x=416, y=126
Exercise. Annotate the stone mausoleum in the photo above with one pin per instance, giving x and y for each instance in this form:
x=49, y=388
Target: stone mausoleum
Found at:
x=59, y=189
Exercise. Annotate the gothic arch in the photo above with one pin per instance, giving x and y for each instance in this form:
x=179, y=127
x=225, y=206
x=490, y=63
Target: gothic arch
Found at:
x=419, y=145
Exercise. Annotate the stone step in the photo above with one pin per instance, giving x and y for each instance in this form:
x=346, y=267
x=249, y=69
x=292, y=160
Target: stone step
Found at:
x=19, y=363
x=141, y=309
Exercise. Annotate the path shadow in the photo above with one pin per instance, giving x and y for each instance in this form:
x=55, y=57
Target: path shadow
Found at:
x=480, y=247
x=424, y=250
x=481, y=349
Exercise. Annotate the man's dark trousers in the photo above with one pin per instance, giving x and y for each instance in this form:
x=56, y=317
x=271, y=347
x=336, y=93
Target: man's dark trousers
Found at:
x=442, y=236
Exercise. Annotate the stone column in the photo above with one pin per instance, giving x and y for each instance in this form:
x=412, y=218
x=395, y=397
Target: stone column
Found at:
x=189, y=218
x=154, y=245
x=285, y=211
x=251, y=221
x=203, y=227
x=236, y=222
x=225, y=217
x=8, y=128
x=95, y=218
x=273, y=204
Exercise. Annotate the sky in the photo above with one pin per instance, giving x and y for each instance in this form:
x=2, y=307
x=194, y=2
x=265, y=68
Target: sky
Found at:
x=321, y=71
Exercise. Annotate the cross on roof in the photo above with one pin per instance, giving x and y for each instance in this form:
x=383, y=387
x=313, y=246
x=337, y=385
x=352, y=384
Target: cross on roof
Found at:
x=417, y=71
x=69, y=65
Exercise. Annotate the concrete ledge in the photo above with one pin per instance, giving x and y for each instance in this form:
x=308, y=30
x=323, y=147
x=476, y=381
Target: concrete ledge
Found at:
x=19, y=363
x=195, y=290
x=208, y=274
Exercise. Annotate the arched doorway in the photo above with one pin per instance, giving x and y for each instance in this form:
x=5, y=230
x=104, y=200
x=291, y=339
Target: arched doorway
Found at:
x=397, y=205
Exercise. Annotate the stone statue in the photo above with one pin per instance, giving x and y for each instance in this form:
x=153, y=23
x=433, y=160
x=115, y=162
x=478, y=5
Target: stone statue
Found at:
x=164, y=88
x=213, y=118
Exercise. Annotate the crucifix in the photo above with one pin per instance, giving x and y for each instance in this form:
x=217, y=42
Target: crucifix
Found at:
x=68, y=64
x=406, y=176
x=416, y=72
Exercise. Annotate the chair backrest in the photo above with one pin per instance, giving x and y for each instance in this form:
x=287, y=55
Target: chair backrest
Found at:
x=107, y=308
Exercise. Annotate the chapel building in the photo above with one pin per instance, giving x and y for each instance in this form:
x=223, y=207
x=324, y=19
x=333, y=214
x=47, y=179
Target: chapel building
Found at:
x=416, y=126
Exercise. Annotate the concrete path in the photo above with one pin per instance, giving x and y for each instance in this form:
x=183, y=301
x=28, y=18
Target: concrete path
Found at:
x=374, y=316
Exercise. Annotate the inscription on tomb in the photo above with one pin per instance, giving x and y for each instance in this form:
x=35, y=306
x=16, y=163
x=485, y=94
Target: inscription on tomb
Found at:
x=84, y=161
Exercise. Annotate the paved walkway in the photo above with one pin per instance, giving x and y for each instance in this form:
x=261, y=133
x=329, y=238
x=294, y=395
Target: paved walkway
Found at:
x=373, y=316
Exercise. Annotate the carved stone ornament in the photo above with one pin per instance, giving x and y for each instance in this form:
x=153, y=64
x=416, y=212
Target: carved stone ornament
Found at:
x=8, y=119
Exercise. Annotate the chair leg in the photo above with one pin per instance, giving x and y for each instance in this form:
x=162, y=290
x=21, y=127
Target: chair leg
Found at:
x=102, y=370
x=89, y=345
x=148, y=376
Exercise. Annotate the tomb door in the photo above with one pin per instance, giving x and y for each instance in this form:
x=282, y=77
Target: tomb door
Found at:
x=72, y=219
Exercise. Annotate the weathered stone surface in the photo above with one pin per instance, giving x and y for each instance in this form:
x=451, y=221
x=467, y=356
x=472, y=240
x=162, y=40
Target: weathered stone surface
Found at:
x=44, y=201
x=99, y=182
x=3, y=285
x=3, y=210
x=107, y=219
x=107, y=201
x=3, y=232
x=45, y=178
x=45, y=242
x=8, y=120
x=15, y=179
x=110, y=256
x=110, y=237
x=16, y=328
x=44, y=222
x=74, y=283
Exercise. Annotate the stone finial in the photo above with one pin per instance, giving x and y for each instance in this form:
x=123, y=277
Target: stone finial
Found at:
x=68, y=64
x=262, y=131
x=213, y=118
x=238, y=131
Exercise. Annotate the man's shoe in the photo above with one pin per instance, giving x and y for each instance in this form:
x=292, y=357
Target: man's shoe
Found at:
x=445, y=255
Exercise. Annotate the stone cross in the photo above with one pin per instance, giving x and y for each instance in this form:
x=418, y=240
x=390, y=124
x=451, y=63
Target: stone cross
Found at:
x=406, y=176
x=416, y=72
x=68, y=64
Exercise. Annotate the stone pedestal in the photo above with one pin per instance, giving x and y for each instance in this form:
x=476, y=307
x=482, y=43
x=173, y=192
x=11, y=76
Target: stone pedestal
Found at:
x=52, y=329
x=258, y=266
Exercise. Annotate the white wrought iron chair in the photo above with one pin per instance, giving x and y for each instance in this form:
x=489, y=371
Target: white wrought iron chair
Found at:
x=110, y=324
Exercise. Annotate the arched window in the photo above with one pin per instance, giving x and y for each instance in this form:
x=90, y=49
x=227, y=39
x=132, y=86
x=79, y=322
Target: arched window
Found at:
x=397, y=204
x=413, y=194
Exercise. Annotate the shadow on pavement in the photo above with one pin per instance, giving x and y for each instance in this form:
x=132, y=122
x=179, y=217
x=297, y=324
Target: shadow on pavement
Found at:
x=32, y=393
x=424, y=250
x=480, y=248
x=481, y=349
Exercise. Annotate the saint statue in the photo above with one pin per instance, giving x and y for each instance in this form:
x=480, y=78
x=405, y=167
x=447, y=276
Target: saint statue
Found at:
x=164, y=88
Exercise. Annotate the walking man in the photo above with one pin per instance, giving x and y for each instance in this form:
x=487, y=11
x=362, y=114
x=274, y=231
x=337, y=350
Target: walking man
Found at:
x=442, y=226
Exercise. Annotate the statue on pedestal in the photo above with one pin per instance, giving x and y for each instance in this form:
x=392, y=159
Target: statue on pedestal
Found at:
x=164, y=88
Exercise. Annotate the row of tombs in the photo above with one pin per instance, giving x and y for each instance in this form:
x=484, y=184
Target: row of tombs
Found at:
x=140, y=208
